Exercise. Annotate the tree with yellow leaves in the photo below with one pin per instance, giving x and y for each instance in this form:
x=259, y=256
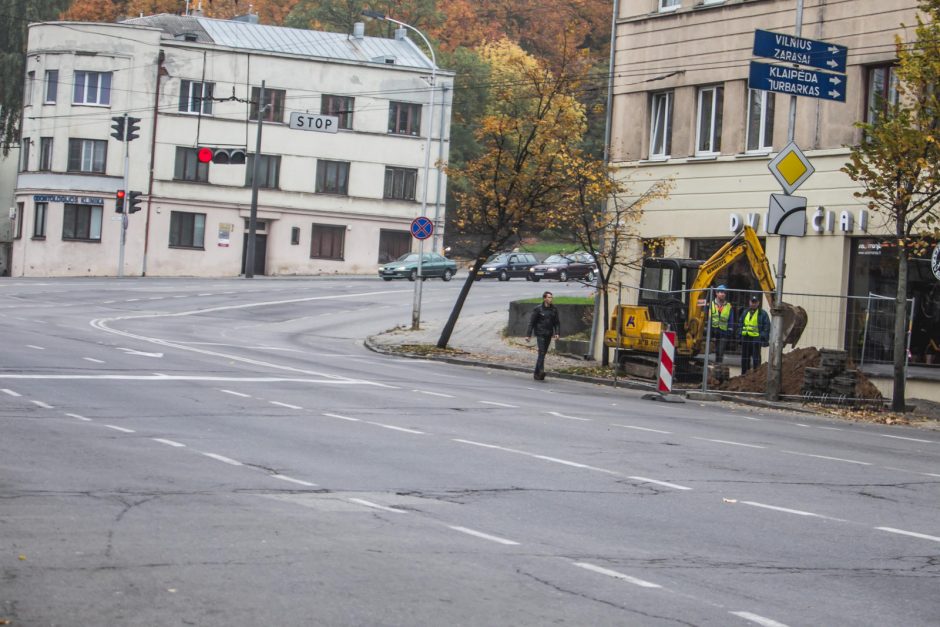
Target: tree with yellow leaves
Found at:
x=897, y=162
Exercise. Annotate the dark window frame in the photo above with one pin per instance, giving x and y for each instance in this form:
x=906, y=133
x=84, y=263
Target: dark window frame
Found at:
x=79, y=158
x=295, y=235
x=273, y=97
x=78, y=222
x=328, y=241
x=40, y=212
x=193, y=103
x=82, y=87
x=400, y=183
x=404, y=118
x=268, y=169
x=393, y=244
x=18, y=224
x=50, y=92
x=878, y=103
x=45, y=154
x=183, y=230
x=187, y=166
x=341, y=107
x=333, y=177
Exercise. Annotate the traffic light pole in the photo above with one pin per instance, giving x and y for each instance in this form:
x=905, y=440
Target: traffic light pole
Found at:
x=253, y=215
x=120, y=270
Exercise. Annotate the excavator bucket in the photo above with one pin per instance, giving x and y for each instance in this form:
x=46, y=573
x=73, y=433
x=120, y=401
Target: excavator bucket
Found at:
x=794, y=322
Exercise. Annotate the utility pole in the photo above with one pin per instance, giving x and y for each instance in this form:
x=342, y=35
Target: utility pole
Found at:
x=775, y=358
x=253, y=216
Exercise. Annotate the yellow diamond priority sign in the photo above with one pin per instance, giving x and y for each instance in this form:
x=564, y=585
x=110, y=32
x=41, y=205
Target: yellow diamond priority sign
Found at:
x=791, y=168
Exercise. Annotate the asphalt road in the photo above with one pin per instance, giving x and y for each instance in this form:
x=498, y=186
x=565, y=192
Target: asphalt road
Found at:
x=224, y=452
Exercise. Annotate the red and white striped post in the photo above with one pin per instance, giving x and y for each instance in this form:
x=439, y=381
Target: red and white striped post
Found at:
x=667, y=361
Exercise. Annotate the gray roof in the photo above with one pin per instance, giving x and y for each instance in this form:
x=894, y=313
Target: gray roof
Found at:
x=295, y=41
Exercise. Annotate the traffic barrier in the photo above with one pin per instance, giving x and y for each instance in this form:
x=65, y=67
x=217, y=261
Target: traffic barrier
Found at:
x=667, y=361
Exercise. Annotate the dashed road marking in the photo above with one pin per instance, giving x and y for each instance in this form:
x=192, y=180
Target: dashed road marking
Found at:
x=297, y=481
x=41, y=404
x=343, y=417
x=234, y=393
x=223, y=459
x=10, y=392
x=913, y=534
x=560, y=415
x=93, y=360
x=485, y=536
x=287, y=405
x=617, y=575
x=787, y=510
x=641, y=428
x=757, y=618
x=38, y=348
x=728, y=442
x=433, y=393
x=121, y=429
x=898, y=437
x=79, y=417
x=377, y=506
x=535, y=456
x=665, y=484
x=394, y=428
x=495, y=404
x=169, y=442
x=834, y=459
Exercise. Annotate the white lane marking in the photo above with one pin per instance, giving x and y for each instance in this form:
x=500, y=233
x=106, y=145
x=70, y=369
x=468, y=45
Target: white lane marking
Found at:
x=181, y=296
x=131, y=351
x=800, y=424
x=898, y=437
x=166, y=377
x=752, y=418
x=205, y=294
x=221, y=458
x=234, y=393
x=169, y=442
x=78, y=417
x=121, y=429
x=787, y=510
x=485, y=536
x=494, y=403
x=342, y=417
x=834, y=459
x=641, y=428
x=830, y=428
x=617, y=575
x=10, y=392
x=757, y=618
x=39, y=348
x=287, y=405
x=433, y=393
x=913, y=534
x=41, y=404
x=533, y=455
x=728, y=442
x=93, y=360
x=108, y=302
x=297, y=481
x=394, y=428
x=666, y=484
x=377, y=506
x=560, y=415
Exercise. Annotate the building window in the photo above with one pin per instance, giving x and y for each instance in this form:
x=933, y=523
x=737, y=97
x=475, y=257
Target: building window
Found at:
x=87, y=155
x=654, y=247
x=669, y=5
x=295, y=235
x=661, y=126
x=188, y=167
x=18, y=223
x=196, y=97
x=710, y=104
x=45, y=154
x=404, y=118
x=393, y=244
x=327, y=241
x=28, y=89
x=882, y=91
x=400, y=183
x=24, y=154
x=341, y=107
x=269, y=171
x=39, y=220
x=274, y=98
x=187, y=230
x=82, y=222
x=332, y=177
x=760, y=121
x=52, y=86
x=92, y=88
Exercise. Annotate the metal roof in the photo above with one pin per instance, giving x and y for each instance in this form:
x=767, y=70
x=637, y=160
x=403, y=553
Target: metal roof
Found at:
x=295, y=41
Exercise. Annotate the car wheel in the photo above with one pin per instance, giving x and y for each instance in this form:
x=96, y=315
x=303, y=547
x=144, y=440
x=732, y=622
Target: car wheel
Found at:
x=412, y=275
x=535, y=279
x=386, y=278
x=503, y=275
x=448, y=274
x=562, y=276
x=590, y=276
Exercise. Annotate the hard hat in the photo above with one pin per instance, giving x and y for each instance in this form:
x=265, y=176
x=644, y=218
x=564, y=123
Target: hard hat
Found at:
x=721, y=288
x=755, y=298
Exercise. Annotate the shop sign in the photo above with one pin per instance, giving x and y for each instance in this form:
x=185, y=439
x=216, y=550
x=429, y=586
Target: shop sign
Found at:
x=71, y=200
x=225, y=233
x=935, y=262
x=822, y=221
x=868, y=248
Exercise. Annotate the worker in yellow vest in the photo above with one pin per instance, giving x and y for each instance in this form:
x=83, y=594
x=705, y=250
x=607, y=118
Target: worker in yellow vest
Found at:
x=721, y=321
x=755, y=333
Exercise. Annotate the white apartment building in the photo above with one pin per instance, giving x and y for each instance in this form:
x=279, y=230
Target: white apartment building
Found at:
x=683, y=110
x=328, y=202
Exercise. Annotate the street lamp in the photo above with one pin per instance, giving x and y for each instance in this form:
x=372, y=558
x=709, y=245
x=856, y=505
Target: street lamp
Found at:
x=416, y=313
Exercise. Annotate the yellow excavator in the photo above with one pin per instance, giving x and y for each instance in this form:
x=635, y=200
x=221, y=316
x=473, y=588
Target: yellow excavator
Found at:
x=672, y=297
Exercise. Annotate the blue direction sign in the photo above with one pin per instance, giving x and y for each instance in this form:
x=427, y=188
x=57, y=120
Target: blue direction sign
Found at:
x=811, y=52
x=796, y=81
x=422, y=227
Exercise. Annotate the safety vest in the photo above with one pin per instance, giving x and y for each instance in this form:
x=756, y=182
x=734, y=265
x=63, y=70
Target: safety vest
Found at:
x=750, y=327
x=721, y=315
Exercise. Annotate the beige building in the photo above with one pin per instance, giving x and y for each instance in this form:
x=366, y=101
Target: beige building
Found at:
x=328, y=202
x=683, y=110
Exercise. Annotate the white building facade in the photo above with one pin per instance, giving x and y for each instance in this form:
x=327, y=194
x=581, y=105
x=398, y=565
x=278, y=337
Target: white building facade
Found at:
x=683, y=110
x=328, y=202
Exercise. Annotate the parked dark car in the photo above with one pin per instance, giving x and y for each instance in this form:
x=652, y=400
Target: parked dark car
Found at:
x=406, y=267
x=505, y=266
x=564, y=267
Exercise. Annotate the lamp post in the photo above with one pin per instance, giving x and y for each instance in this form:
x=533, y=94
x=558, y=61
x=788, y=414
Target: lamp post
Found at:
x=416, y=310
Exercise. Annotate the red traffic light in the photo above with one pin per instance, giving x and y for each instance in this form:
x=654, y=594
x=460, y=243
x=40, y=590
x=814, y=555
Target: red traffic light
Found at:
x=204, y=155
x=121, y=194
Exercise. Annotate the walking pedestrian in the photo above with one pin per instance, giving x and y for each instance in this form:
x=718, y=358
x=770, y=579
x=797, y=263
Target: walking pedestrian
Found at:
x=545, y=324
x=755, y=333
x=721, y=321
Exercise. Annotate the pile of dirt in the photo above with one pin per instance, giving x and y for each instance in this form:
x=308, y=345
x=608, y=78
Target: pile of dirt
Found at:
x=791, y=380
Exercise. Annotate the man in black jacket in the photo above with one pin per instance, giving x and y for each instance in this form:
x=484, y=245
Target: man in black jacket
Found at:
x=545, y=324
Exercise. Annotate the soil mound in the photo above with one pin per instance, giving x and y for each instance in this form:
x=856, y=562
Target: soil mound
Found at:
x=794, y=364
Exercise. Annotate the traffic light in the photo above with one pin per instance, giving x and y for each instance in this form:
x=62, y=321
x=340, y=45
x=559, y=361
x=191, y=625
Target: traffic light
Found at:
x=119, y=201
x=233, y=156
x=118, y=126
x=133, y=128
x=133, y=202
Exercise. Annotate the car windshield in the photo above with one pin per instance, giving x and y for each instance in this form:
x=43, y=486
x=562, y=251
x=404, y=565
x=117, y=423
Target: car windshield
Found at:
x=408, y=257
x=557, y=259
x=497, y=259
